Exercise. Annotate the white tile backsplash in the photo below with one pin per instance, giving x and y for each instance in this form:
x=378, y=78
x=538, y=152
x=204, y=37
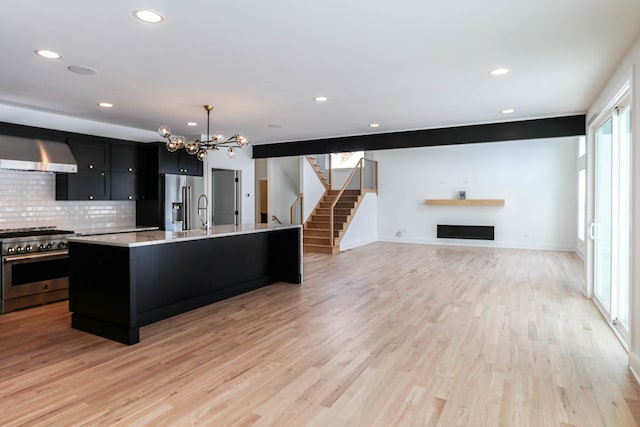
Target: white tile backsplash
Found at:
x=27, y=199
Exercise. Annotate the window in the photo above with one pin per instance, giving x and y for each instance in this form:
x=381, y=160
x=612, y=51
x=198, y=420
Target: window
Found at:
x=346, y=160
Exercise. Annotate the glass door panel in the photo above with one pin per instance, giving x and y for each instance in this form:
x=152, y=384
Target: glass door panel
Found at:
x=623, y=226
x=601, y=227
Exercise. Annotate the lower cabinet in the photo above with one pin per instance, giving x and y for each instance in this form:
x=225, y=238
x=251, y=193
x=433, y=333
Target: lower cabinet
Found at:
x=84, y=185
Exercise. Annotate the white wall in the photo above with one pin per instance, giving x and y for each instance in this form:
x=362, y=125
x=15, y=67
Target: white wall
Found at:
x=537, y=178
x=312, y=187
x=284, y=186
x=364, y=225
x=629, y=70
x=243, y=163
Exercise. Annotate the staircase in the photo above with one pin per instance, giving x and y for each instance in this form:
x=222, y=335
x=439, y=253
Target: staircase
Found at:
x=316, y=233
x=325, y=180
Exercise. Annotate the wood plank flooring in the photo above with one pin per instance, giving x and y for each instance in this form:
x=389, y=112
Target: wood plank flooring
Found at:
x=383, y=335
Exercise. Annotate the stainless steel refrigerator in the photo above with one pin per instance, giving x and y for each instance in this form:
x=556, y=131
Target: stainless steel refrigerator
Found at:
x=181, y=195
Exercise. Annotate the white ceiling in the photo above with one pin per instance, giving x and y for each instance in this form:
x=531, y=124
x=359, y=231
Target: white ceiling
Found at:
x=406, y=64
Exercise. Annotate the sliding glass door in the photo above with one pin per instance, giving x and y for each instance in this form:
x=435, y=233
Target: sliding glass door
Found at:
x=609, y=229
x=622, y=224
x=601, y=226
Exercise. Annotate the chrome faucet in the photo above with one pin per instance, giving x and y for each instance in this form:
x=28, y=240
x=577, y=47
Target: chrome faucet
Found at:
x=205, y=222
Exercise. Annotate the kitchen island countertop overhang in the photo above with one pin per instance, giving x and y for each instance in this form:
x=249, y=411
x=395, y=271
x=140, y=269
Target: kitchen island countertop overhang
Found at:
x=155, y=237
x=120, y=282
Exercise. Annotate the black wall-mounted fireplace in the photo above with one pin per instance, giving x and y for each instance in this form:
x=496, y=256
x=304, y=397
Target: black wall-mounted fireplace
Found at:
x=475, y=232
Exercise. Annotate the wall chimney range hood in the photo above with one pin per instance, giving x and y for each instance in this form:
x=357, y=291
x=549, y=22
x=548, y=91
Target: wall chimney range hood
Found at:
x=32, y=154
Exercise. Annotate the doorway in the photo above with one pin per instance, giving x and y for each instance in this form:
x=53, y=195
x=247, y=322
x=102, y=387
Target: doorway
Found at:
x=609, y=230
x=264, y=201
x=224, y=196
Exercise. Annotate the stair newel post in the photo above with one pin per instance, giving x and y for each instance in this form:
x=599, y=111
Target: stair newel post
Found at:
x=361, y=166
x=333, y=205
x=330, y=171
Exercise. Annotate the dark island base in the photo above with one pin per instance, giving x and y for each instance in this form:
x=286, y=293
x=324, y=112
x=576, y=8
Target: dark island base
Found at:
x=104, y=329
x=116, y=290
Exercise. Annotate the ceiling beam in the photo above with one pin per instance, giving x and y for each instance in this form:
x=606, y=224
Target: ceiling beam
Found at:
x=491, y=132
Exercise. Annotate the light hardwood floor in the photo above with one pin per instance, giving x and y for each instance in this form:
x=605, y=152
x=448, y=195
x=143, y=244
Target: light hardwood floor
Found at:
x=387, y=334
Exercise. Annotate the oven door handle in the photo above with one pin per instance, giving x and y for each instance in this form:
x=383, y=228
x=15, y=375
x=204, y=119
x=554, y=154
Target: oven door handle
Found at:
x=19, y=259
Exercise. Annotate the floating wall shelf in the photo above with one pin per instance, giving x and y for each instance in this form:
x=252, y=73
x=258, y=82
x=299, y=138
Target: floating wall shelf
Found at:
x=465, y=202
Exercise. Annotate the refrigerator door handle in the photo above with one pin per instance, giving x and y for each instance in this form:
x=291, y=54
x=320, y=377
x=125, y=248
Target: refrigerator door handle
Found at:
x=186, y=207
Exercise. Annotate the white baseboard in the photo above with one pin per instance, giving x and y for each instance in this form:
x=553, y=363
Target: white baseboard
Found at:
x=355, y=244
x=477, y=243
x=634, y=366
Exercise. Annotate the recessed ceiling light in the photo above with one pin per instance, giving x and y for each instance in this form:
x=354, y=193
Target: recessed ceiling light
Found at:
x=374, y=125
x=81, y=69
x=274, y=126
x=105, y=104
x=149, y=16
x=49, y=54
x=499, y=71
x=192, y=124
x=508, y=111
x=320, y=99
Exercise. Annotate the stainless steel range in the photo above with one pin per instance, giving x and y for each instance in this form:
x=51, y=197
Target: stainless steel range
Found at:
x=34, y=267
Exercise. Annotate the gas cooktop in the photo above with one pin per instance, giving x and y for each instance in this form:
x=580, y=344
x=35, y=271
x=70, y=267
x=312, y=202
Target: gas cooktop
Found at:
x=31, y=232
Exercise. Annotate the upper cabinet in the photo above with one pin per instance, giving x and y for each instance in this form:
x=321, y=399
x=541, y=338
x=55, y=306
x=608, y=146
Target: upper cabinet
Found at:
x=120, y=170
x=91, y=154
x=84, y=185
x=93, y=180
x=124, y=158
x=106, y=171
x=124, y=172
x=179, y=163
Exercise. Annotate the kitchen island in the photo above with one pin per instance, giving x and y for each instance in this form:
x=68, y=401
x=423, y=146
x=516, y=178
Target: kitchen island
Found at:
x=120, y=282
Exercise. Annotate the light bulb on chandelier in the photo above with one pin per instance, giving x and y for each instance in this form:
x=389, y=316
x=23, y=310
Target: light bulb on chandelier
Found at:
x=201, y=148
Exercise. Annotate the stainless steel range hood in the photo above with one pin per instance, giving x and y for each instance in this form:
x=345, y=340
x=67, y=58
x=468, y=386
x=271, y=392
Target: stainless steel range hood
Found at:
x=29, y=154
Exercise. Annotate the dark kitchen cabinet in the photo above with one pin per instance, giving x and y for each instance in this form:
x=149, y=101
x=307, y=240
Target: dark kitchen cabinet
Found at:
x=124, y=158
x=92, y=182
x=179, y=163
x=148, y=209
x=91, y=154
x=148, y=175
x=124, y=172
x=84, y=185
x=124, y=186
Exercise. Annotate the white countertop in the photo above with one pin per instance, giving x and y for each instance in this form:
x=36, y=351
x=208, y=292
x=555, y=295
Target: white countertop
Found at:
x=112, y=230
x=157, y=237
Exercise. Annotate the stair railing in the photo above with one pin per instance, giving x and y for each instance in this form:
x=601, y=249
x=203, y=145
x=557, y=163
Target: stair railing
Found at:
x=368, y=181
x=297, y=204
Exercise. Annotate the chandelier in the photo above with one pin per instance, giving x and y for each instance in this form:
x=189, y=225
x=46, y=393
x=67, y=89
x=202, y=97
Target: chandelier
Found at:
x=200, y=148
